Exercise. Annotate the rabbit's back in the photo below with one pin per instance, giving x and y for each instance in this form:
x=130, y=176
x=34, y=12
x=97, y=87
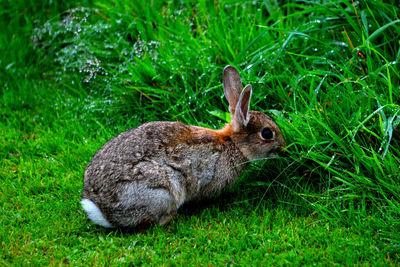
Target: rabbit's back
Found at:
x=133, y=145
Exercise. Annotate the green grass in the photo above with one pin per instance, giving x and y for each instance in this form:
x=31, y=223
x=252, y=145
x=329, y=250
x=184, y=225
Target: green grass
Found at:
x=76, y=73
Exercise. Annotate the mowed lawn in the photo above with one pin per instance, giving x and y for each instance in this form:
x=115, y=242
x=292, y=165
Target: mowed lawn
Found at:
x=76, y=73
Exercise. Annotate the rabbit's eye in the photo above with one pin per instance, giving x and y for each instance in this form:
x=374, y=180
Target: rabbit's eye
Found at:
x=267, y=134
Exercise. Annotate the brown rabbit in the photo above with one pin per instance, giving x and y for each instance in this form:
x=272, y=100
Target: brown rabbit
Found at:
x=145, y=174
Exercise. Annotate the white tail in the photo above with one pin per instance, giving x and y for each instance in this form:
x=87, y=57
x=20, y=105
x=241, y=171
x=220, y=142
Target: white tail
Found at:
x=94, y=213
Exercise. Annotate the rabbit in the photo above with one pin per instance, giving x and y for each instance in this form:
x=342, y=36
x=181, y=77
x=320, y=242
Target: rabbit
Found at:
x=143, y=175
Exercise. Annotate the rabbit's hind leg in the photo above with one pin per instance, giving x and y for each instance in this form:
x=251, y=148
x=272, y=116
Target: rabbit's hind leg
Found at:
x=140, y=204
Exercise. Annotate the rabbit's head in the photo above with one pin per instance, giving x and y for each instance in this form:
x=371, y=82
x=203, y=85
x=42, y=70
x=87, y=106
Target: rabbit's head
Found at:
x=254, y=133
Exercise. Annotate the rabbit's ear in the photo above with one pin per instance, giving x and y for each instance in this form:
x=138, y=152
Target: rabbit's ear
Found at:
x=232, y=87
x=241, y=117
